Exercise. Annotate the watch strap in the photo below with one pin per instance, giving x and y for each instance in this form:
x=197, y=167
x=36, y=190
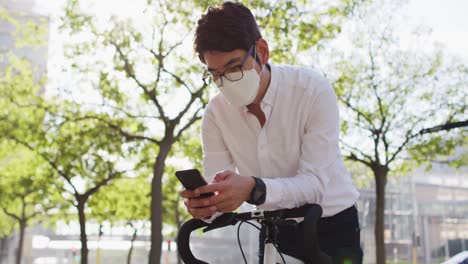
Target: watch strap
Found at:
x=258, y=194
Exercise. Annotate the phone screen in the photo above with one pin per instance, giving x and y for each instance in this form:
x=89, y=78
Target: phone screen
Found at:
x=192, y=179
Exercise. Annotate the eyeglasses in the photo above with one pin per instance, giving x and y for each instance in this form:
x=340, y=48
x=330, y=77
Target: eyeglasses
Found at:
x=233, y=74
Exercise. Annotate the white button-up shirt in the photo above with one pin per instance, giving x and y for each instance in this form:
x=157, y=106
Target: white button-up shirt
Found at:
x=296, y=152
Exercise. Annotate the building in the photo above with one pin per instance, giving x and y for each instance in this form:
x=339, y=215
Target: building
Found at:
x=426, y=216
x=23, y=12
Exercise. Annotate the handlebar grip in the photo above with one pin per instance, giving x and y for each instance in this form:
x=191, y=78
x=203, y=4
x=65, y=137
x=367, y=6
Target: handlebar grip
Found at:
x=183, y=240
x=311, y=243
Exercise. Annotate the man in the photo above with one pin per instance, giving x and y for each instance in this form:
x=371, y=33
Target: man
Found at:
x=278, y=126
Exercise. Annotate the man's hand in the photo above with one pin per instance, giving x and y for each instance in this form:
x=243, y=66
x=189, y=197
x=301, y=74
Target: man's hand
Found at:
x=231, y=191
x=196, y=206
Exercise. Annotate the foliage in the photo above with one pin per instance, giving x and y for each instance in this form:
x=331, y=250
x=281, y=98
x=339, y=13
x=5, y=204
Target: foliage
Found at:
x=125, y=201
x=26, y=185
x=30, y=33
x=389, y=93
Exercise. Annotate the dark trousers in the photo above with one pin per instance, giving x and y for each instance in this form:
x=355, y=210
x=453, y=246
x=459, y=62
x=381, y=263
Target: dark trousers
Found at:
x=339, y=238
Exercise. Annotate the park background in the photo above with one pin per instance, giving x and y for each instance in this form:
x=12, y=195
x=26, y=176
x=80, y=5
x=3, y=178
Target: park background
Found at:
x=101, y=103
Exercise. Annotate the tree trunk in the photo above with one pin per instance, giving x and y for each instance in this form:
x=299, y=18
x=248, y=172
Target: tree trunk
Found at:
x=83, y=238
x=129, y=256
x=178, y=223
x=19, y=253
x=3, y=241
x=156, y=203
x=380, y=174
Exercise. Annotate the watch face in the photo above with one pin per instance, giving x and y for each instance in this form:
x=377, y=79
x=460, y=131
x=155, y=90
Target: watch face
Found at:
x=258, y=193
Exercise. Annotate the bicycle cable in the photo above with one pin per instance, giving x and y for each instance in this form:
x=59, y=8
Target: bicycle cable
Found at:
x=279, y=252
x=240, y=245
x=238, y=237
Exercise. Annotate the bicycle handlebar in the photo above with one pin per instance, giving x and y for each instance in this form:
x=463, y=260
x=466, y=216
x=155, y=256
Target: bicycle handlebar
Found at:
x=310, y=212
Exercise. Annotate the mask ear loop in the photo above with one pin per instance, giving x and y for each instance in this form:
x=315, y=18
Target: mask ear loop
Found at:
x=255, y=60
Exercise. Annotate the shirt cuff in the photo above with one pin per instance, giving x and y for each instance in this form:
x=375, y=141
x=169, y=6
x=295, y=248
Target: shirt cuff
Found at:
x=273, y=194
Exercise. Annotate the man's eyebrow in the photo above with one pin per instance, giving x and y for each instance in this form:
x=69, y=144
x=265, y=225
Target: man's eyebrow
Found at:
x=229, y=63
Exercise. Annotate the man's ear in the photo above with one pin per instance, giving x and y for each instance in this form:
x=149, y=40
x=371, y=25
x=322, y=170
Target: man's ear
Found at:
x=263, y=52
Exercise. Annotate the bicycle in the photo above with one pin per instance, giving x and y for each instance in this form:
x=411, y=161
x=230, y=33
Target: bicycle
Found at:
x=270, y=220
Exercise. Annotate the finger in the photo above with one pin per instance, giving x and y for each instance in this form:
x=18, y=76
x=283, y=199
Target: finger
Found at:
x=219, y=198
x=212, y=187
x=225, y=206
x=188, y=194
x=199, y=202
x=202, y=212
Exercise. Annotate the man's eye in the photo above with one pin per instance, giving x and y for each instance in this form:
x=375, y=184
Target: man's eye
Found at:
x=233, y=69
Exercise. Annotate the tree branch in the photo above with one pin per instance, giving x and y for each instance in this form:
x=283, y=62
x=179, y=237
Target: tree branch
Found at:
x=386, y=146
x=374, y=86
x=353, y=157
x=11, y=214
x=194, y=118
x=127, y=135
x=178, y=79
x=409, y=136
x=49, y=161
x=444, y=127
x=177, y=44
x=151, y=94
x=125, y=112
x=193, y=97
x=112, y=176
x=359, y=113
x=36, y=213
x=356, y=149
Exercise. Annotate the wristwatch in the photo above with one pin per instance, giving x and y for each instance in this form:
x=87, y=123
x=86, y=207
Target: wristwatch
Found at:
x=258, y=194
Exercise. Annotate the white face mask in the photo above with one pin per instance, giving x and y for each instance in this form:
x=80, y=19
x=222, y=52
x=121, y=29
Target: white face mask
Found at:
x=242, y=92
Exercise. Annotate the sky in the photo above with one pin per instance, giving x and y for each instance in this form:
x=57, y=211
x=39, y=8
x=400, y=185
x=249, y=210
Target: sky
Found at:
x=447, y=18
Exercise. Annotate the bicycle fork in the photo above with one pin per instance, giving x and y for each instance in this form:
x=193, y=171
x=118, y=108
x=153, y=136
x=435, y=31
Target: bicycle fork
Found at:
x=270, y=251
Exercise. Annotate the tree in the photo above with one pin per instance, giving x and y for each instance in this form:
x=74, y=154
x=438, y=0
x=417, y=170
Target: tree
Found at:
x=83, y=155
x=126, y=201
x=147, y=66
x=173, y=209
x=25, y=189
x=23, y=181
x=7, y=226
x=388, y=95
x=27, y=33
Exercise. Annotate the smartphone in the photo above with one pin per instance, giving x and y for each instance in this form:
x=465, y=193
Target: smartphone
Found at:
x=192, y=179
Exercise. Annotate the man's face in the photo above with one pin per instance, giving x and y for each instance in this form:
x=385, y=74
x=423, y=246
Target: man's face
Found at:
x=219, y=62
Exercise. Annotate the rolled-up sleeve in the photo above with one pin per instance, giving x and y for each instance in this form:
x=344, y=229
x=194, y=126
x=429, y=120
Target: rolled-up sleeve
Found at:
x=319, y=160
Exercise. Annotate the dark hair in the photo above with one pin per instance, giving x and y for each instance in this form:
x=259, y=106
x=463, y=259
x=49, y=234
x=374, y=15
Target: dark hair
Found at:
x=225, y=28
